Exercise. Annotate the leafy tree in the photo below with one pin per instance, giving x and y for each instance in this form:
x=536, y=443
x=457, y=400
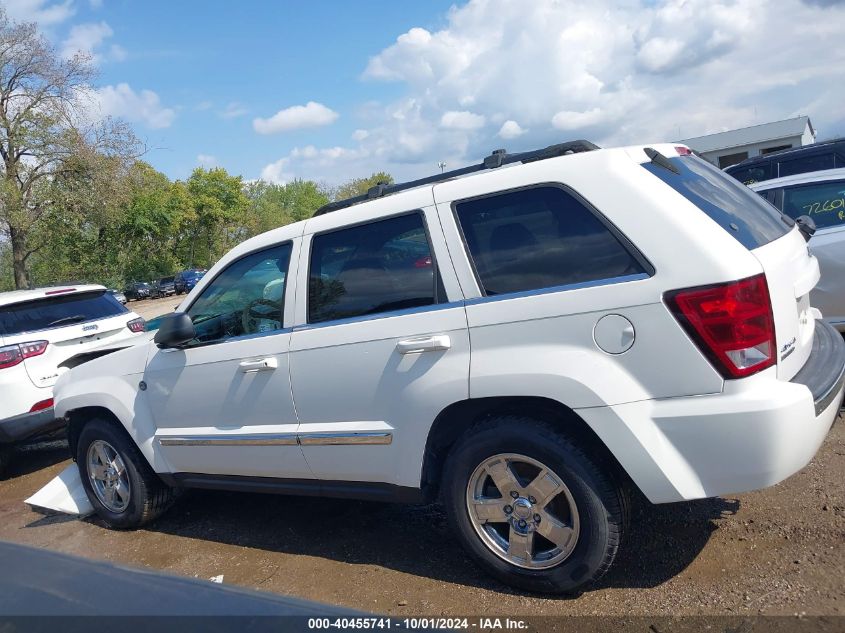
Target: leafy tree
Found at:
x=51, y=156
x=360, y=186
x=272, y=206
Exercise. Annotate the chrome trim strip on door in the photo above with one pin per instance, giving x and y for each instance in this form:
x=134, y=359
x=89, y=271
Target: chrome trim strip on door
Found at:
x=336, y=439
x=307, y=439
x=234, y=440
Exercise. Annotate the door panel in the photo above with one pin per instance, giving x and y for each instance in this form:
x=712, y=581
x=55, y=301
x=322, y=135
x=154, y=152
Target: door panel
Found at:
x=223, y=405
x=368, y=387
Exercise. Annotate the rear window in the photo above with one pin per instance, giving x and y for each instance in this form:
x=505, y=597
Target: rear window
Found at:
x=807, y=163
x=822, y=201
x=733, y=206
x=58, y=311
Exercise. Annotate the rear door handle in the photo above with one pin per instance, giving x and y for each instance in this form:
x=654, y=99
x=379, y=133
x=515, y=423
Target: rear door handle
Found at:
x=434, y=343
x=261, y=364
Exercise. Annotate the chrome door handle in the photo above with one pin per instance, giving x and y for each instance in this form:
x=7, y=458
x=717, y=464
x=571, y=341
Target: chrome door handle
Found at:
x=435, y=343
x=262, y=364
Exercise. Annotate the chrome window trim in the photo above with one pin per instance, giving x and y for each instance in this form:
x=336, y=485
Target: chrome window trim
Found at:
x=381, y=315
x=555, y=289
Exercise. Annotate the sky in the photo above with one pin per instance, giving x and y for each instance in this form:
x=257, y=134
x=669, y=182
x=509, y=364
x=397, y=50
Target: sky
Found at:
x=331, y=90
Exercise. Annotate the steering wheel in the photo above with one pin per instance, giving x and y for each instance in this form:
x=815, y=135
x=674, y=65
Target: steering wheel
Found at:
x=250, y=317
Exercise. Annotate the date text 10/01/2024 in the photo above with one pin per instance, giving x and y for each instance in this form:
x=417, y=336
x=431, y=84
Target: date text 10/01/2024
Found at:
x=483, y=624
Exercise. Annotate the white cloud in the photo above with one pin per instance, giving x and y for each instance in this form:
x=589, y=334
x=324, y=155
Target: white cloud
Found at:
x=88, y=38
x=360, y=135
x=206, y=160
x=140, y=107
x=510, y=129
x=234, y=110
x=42, y=11
x=95, y=4
x=203, y=105
x=275, y=172
x=611, y=71
x=312, y=114
x=463, y=120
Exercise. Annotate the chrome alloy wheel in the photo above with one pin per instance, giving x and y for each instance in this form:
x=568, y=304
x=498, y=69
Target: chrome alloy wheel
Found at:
x=522, y=511
x=108, y=476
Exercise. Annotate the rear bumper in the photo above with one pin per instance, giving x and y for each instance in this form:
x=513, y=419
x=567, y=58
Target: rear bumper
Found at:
x=27, y=425
x=756, y=433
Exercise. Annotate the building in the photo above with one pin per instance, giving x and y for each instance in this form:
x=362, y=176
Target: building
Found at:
x=724, y=149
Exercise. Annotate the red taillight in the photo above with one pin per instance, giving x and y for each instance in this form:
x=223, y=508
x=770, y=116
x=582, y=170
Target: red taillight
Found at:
x=423, y=262
x=41, y=406
x=683, y=151
x=10, y=356
x=34, y=348
x=732, y=323
x=61, y=291
x=136, y=325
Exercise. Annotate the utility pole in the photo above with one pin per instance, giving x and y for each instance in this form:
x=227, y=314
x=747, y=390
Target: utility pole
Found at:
x=442, y=166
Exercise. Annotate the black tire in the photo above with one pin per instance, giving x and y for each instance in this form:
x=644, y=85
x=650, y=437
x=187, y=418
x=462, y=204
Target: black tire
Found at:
x=149, y=497
x=599, y=497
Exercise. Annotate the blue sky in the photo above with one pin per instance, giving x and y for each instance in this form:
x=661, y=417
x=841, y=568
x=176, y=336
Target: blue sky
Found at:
x=332, y=90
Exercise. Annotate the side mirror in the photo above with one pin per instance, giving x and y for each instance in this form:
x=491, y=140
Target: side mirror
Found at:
x=806, y=225
x=175, y=330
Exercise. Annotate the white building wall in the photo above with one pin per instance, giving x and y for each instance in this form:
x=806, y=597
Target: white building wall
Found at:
x=755, y=149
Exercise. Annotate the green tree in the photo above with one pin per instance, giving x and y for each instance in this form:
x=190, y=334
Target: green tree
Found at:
x=52, y=159
x=272, y=206
x=360, y=186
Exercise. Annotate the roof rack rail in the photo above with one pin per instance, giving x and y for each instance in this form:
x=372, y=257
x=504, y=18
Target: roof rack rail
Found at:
x=498, y=158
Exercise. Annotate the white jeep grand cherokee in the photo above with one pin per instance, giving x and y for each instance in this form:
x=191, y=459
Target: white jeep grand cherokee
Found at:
x=530, y=341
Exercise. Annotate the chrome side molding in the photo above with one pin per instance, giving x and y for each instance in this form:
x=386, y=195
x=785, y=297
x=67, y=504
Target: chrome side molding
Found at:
x=289, y=439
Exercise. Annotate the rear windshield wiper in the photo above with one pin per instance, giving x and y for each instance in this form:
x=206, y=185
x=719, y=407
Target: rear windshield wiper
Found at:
x=76, y=318
x=660, y=160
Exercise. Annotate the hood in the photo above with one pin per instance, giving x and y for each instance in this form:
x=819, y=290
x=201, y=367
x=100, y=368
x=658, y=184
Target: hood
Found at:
x=108, y=348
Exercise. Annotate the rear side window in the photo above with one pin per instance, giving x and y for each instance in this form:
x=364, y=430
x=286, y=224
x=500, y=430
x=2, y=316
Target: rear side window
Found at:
x=58, y=311
x=729, y=203
x=807, y=163
x=372, y=268
x=822, y=201
x=541, y=237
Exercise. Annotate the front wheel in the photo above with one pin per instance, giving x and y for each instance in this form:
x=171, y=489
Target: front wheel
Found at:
x=531, y=507
x=120, y=484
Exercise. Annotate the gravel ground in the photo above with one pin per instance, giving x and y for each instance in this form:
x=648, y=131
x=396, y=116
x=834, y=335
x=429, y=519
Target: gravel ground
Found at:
x=149, y=308
x=776, y=551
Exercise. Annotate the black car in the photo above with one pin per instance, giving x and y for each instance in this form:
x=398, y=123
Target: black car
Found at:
x=799, y=160
x=137, y=290
x=163, y=287
x=187, y=279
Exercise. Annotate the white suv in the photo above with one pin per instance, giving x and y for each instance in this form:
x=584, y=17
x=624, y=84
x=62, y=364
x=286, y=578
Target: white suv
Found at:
x=42, y=333
x=530, y=340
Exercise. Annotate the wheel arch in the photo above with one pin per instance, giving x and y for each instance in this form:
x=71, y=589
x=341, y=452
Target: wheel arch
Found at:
x=459, y=417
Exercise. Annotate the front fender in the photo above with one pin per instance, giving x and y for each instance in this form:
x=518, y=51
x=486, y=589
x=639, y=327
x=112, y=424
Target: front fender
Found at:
x=121, y=396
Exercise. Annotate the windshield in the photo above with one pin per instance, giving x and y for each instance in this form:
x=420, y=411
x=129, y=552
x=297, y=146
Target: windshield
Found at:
x=58, y=311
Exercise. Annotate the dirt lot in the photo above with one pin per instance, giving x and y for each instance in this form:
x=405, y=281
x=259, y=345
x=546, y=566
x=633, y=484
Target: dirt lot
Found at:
x=777, y=551
x=149, y=308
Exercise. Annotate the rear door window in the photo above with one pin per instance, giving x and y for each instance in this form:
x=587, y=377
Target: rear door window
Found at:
x=729, y=203
x=372, y=268
x=542, y=237
x=822, y=201
x=58, y=311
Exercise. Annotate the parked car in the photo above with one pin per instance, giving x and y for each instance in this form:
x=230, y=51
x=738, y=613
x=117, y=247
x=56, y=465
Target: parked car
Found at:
x=137, y=290
x=529, y=341
x=821, y=196
x=788, y=162
x=163, y=287
x=117, y=294
x=40, y=330
x=187, y=279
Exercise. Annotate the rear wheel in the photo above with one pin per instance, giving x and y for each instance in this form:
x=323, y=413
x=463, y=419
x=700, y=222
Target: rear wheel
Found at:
x=531, y=507
x=119, y=482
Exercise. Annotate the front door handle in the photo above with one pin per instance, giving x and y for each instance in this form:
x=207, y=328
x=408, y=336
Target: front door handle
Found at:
x=434, y=343
x=261, y=364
